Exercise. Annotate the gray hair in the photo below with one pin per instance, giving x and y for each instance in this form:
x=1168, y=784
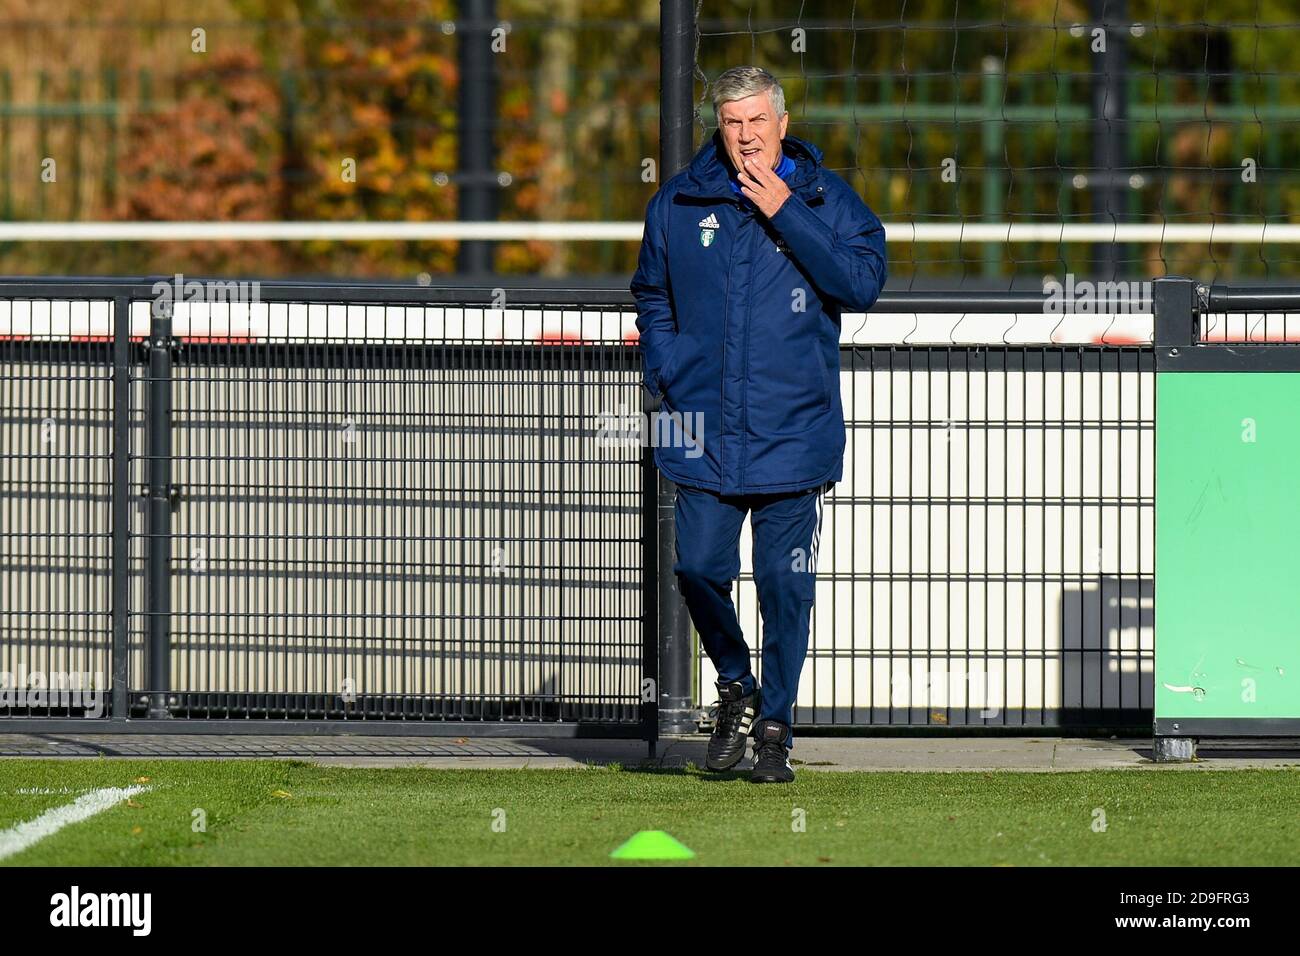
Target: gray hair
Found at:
x=742, y=81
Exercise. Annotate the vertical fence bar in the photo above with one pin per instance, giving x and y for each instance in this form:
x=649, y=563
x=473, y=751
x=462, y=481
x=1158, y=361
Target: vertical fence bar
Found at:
x=991, y=134
x=110, y=139
x=42, y=138
x=6, y=145
x=650, y=580
x=158, y=431
x=1109, y=129
x=477, y=187
x=1172, y=299
x=121, y=569
x=676, y=142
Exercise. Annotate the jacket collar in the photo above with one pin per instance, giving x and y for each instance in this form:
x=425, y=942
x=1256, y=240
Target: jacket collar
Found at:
x=710, y=170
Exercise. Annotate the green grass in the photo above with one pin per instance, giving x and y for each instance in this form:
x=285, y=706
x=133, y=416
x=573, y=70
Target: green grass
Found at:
x=293, y=813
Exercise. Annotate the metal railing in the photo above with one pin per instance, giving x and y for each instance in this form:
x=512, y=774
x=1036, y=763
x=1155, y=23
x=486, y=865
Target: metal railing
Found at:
x=335, y=506
x=987, y=559
x=409, y=510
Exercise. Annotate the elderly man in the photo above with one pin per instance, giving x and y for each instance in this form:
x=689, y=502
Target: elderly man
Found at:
x=749, y=257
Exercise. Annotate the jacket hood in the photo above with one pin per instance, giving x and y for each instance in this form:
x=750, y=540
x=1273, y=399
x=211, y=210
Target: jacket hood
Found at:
x=710, y=170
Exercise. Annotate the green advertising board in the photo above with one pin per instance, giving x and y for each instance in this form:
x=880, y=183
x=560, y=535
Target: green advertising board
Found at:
x=1227, y=557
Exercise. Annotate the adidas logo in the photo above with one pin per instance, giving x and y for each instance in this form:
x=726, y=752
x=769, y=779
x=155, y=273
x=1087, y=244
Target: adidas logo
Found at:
x=710, y=222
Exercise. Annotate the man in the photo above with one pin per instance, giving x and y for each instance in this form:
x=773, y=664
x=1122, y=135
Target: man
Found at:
x=748, y=259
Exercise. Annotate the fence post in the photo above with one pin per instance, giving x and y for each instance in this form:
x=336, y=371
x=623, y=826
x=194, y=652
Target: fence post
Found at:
x=676, y=145
x=158, y=497
x=1172, y=301
x=991, y=134
x=476, y=105
x=649, y=580
x=121, y=520
x=1109, y=129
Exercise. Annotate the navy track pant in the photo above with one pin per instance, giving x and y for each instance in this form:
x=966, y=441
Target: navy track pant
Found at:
x=785, y=529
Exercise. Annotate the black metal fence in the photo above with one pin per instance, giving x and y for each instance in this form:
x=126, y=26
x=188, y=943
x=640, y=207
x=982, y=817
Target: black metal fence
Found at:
x=407, y=510
x=392, y=509
x=330, y=507
x=987, y=560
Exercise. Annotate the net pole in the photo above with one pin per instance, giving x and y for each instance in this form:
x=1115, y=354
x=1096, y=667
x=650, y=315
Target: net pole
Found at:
x=676, y=145
x=1110, y=130
x=476, y=105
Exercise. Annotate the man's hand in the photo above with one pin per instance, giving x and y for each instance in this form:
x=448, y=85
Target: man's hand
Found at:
x=763, y=186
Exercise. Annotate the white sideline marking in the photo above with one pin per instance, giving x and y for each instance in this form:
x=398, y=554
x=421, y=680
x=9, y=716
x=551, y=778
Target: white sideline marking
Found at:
x=20, y=837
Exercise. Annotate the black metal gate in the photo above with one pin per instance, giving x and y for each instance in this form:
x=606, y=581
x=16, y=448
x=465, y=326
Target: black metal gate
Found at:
x=390, y=509
x=319, y=508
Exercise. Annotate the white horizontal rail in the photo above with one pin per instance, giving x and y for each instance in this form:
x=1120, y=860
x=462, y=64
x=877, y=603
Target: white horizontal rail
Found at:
x=301, y=322
x=900, y=232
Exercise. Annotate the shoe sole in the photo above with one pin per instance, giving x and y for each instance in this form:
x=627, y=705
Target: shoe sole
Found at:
x=718, y=768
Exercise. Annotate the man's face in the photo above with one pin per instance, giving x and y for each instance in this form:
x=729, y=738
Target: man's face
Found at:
x=752, y=130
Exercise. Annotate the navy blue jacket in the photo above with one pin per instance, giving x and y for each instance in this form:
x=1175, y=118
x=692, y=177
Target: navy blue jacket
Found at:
x=740, y=322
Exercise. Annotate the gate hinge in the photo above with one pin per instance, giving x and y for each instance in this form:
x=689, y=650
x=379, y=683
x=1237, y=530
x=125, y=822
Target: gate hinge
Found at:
x=1202, y=298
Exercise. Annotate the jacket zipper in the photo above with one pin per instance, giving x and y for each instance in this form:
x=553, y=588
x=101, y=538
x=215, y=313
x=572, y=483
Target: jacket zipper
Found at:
x=722, y=384
x=744, y=380
x=796, y=193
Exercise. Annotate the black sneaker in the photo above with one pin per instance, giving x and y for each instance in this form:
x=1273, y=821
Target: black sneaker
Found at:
x=771, y=753
x=735, y=711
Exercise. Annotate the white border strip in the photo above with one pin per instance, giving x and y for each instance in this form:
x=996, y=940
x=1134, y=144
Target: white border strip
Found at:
x=61, y=320
x=25, y=835
x=904, y=232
